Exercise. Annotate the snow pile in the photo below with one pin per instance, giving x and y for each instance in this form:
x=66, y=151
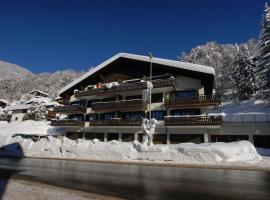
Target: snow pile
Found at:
x=28, y=127
x=201, y=153
x=188, y=153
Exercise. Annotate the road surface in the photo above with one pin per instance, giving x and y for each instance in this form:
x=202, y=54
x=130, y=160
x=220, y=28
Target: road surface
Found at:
x=142, y=182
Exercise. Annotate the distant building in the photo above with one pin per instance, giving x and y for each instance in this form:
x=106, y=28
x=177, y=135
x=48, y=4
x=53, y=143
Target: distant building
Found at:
x=38, y=93
x=18, y=111
x=108, y=102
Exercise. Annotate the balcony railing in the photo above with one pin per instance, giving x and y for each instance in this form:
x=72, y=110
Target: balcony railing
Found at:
x=67, y=123
x=134, y=86
x=203, y=100
x=116, y=122
x=124, y=105
x=193, y=121
x=69, y=109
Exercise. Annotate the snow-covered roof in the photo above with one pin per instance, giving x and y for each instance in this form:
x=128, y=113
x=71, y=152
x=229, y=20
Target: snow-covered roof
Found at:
x=19, y=107
x=171, y=63
x=44, y=100
x=39, y=92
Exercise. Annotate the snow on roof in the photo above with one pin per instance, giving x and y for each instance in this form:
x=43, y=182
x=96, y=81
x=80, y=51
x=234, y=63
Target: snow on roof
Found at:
x=39, y=92
x=3, y=100
x=45, y=100
x=19, y=107
x=171, y=63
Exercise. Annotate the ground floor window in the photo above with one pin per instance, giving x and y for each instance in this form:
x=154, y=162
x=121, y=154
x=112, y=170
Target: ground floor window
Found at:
x=91, y=136
x=262, y=141
x=228, y=138
x=74, y=135
x=112, y=136
x=127, y=137
x=181, y=138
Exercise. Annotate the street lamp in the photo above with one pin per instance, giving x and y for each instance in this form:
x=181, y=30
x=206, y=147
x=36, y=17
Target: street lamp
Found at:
x=150, y=89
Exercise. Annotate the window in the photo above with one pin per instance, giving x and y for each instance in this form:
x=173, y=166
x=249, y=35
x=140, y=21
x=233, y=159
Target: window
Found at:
x=133, y=115
x=89, y=102
x=107, y=116
x=157, y=114
x=157, y=98
x=134, y=97
x=187, y=93
x=93, y=116
x=76, y=117
x=185, y=112
x=78, y=103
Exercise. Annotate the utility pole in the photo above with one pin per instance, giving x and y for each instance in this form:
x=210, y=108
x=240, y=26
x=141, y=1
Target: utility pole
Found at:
x=150, y=89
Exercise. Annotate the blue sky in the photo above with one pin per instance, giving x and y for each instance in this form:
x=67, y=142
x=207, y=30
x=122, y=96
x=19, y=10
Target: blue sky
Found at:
x=49, y=35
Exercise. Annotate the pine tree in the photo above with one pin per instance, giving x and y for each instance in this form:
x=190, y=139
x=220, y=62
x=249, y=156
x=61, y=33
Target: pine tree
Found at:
x=37, y=113
x=243, y=75
x=263, y=57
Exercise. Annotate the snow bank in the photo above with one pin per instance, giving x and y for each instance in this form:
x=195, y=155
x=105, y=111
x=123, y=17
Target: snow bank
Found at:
x=28, y=127
x=189, y=153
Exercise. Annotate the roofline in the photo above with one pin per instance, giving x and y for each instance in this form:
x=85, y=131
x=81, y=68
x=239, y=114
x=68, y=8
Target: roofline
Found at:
x=171, y=63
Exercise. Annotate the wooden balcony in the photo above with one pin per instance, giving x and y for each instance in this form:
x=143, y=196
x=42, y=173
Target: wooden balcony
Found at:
x=194, y=121
x=126, y=87
x=50, y=115
x=124, y=105
x=70, y=109
x=203, y=100
x=116, y=122
x=67, y=123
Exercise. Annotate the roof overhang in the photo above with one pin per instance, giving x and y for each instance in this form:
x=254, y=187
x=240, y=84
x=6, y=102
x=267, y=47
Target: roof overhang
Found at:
x=170, y=63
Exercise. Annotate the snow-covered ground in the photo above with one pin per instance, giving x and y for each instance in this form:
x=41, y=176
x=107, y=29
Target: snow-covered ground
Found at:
x=242, y=152
x=245, y=111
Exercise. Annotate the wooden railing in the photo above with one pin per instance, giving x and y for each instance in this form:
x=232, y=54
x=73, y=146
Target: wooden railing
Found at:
x=203, y=100
x=135, y=86
x=69, y=109
x=193, y=121
x=67, y=123
x=50, y=114
x=125, y=105
x=116, y=122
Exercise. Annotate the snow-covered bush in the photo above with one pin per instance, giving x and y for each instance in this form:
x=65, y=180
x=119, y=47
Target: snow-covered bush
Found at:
x=37, y=113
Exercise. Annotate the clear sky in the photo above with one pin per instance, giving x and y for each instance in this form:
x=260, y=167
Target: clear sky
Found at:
x=49, y=35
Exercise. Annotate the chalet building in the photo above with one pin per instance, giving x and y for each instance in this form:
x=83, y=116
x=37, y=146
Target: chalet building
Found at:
x=18, y=111
x=107, y=102
x=38, y=93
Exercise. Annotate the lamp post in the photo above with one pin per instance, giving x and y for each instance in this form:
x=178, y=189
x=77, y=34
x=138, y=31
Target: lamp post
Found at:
x=150, y=89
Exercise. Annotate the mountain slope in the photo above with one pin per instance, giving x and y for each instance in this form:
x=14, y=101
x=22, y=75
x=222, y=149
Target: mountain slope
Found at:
x=12, y=71
x=16, y=81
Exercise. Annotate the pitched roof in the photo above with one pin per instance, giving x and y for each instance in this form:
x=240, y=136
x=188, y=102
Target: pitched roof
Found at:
x=39, y=92
x=19, y=107
x=171, y=63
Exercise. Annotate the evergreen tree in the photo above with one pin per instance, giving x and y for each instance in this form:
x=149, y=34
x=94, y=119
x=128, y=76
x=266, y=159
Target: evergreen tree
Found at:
x=243, y=75
x=37, y=113
x=263, y=57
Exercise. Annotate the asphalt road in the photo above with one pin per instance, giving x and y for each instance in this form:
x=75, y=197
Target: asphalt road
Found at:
x=143, y=182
